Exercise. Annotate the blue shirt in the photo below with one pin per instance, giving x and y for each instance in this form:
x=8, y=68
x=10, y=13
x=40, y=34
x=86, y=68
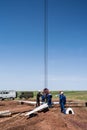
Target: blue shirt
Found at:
x=62, y=98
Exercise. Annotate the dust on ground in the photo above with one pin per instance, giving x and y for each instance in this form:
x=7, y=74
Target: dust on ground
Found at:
x=50, y=120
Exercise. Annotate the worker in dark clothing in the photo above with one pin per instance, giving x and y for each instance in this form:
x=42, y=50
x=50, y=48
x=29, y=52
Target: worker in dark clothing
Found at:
x=38, y=96
x=43, y=97
x=62, y=101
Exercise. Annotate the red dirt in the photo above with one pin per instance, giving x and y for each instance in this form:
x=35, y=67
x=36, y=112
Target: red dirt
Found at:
x=50, y=120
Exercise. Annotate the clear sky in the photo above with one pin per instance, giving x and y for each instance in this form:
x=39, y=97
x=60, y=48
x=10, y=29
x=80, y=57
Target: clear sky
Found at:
x=22, y=44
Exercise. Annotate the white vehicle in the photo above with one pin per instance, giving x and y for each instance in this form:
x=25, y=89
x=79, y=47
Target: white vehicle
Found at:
x=8, y=94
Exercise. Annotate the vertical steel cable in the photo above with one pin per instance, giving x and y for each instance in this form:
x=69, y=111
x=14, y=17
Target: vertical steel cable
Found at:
x=45, y=43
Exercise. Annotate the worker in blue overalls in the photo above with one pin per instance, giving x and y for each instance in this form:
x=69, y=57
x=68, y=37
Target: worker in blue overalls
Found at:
x=62, y=101
x=48, y=97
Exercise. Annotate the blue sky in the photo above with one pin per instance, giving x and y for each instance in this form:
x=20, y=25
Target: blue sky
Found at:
x=22, y=44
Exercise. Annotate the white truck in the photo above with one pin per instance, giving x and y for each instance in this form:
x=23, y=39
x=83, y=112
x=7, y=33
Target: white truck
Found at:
x=8, y=94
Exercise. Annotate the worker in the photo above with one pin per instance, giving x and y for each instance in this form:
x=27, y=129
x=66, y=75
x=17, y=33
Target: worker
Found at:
x=46, y=91
x=62, y=101
x=38, y=96
x=49, y=100
x=48, y=97
x=43, y=97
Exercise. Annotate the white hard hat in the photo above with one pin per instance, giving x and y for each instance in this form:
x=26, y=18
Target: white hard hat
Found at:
x=62, y=92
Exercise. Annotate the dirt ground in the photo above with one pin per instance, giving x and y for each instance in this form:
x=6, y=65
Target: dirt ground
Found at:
x=50, y=120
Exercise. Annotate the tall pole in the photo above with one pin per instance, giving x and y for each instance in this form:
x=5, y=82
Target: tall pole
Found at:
x=45, y=43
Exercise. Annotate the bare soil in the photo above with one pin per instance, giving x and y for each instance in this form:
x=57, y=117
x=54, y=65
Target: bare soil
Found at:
x=50, y=120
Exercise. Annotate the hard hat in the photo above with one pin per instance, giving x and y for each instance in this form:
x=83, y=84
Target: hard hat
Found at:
x=62, y=92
